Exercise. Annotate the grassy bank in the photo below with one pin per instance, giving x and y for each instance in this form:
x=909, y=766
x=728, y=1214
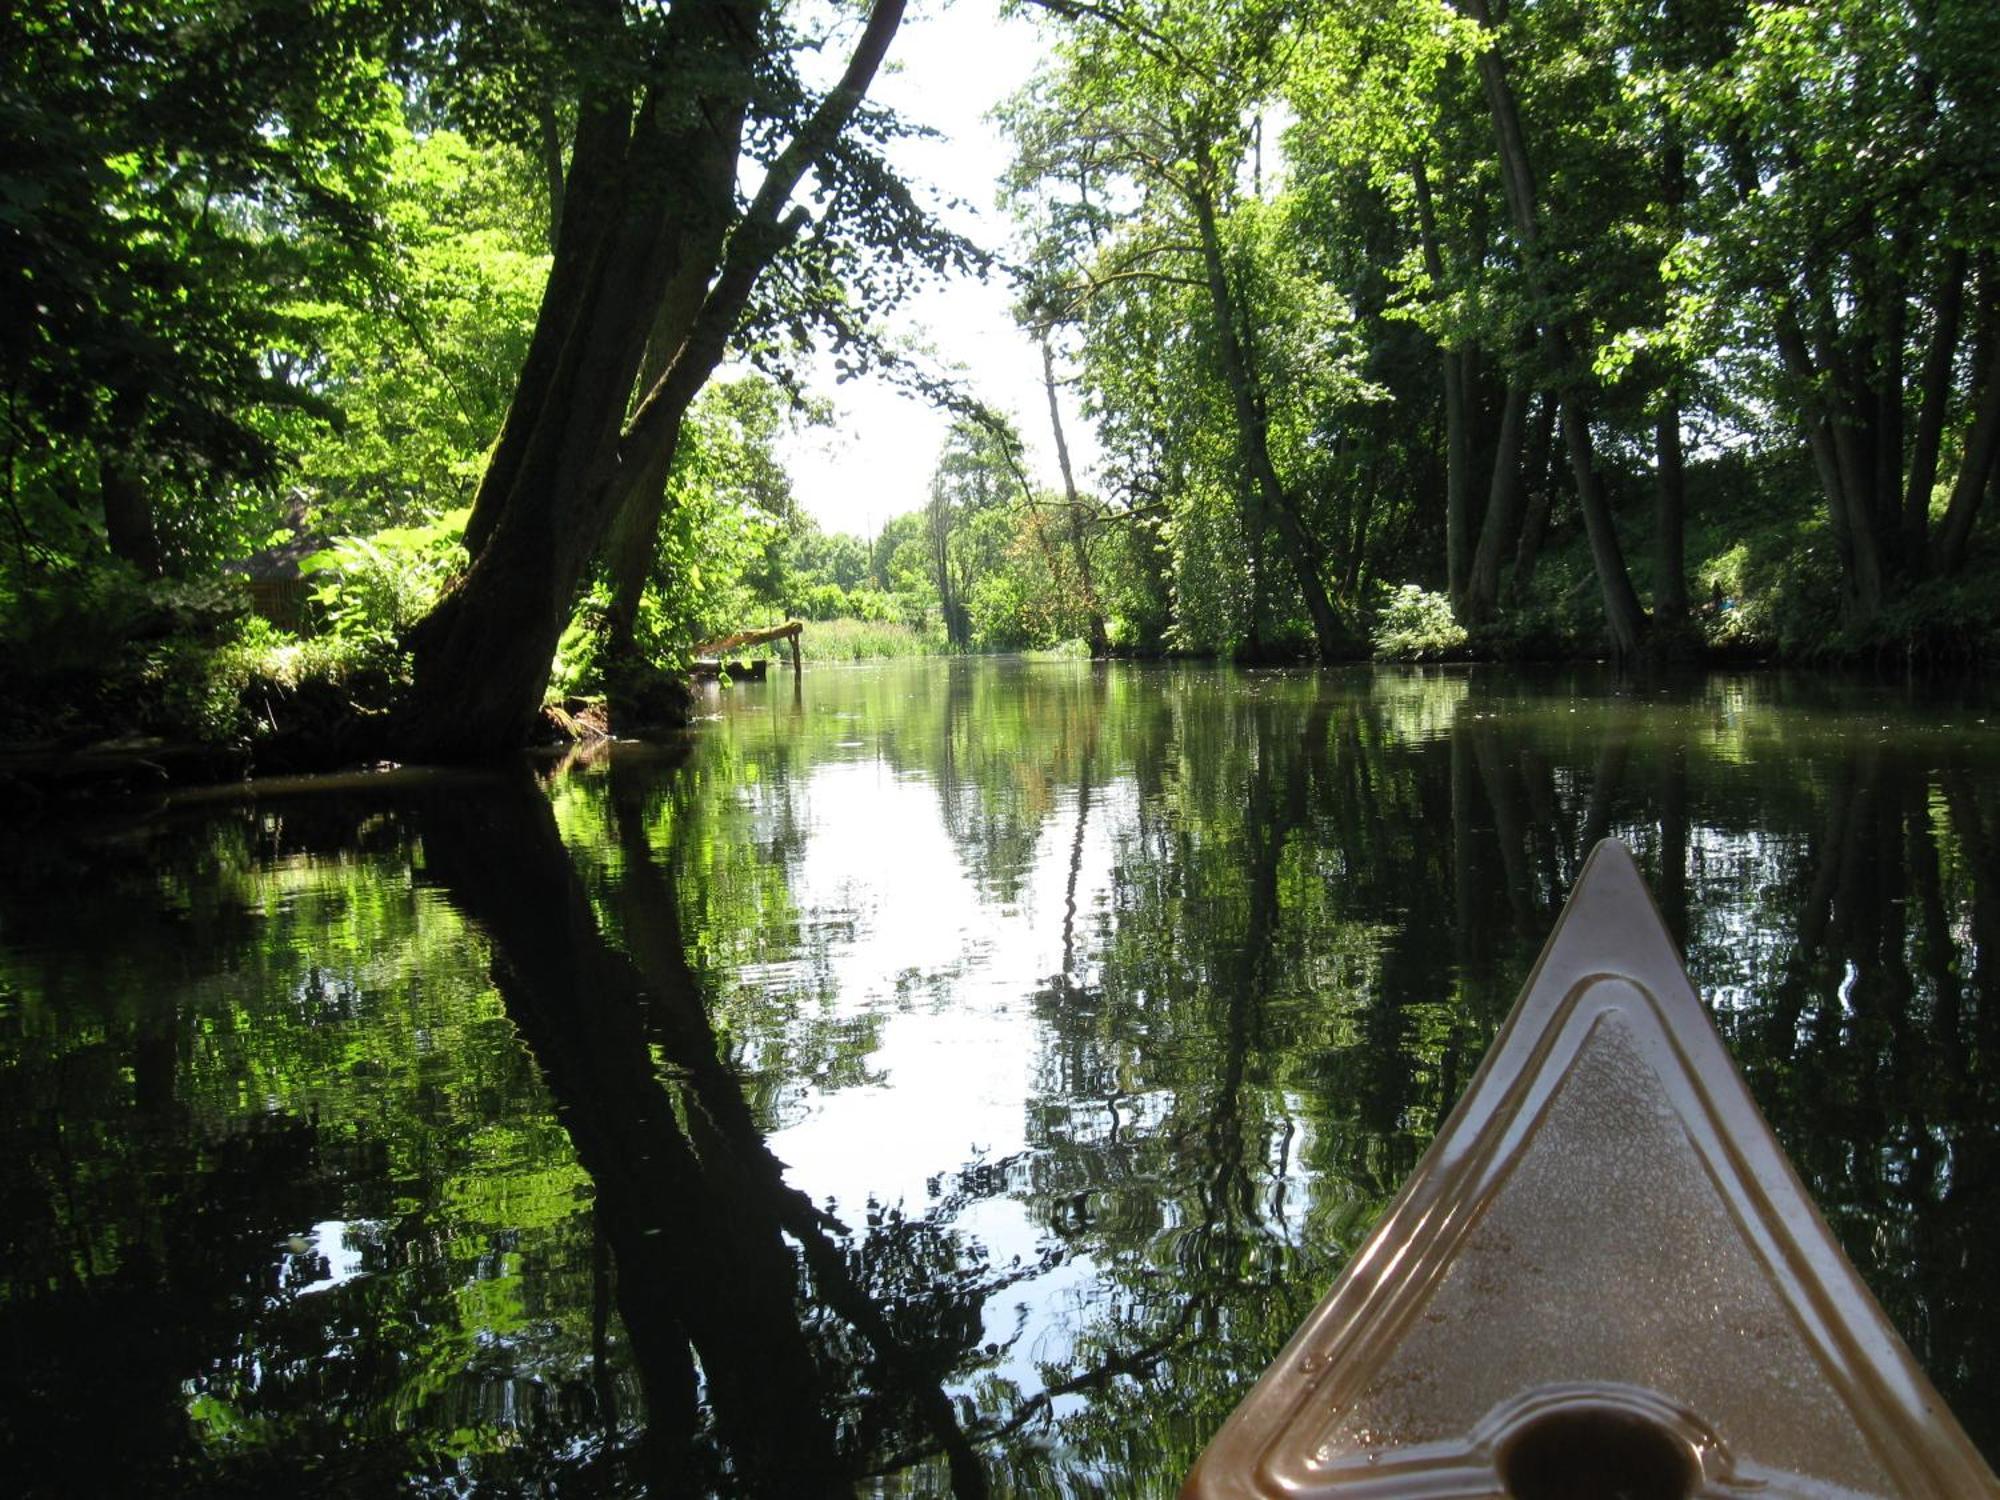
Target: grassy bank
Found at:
x=863, y=640
x=870, y=640
x=178, y=662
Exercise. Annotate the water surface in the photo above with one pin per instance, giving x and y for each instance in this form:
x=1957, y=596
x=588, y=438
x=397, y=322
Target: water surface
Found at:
x=950, y=1077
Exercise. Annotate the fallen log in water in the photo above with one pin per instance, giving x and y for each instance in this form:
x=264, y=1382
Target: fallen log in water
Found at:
x=789, y=631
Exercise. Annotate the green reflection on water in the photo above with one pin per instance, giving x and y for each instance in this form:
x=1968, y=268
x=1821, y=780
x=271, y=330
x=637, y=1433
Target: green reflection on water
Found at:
x=952, y=1076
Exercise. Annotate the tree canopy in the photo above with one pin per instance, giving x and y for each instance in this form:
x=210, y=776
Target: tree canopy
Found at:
x=1415, y=251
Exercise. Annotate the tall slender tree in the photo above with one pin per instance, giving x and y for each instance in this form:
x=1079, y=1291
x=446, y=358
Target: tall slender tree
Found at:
x=1155, y=102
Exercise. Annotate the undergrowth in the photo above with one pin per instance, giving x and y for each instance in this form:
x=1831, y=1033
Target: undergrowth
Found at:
x=863, y=640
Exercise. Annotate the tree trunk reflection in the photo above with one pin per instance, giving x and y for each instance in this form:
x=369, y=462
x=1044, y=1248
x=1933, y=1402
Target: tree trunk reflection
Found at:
x=692, y=1202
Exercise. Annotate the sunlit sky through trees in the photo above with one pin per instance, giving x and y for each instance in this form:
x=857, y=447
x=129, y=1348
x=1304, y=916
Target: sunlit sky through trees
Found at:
x=950, y=65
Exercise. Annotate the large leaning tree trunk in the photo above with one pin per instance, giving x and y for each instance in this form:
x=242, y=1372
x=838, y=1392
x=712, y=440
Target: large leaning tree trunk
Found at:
x=640, y=205
x=635, y=528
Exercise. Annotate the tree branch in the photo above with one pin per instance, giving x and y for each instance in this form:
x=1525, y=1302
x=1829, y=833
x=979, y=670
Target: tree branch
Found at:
x=759, y=238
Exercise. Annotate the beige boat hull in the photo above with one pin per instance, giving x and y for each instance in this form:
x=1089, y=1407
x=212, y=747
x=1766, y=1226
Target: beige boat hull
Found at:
x=1604, y=1278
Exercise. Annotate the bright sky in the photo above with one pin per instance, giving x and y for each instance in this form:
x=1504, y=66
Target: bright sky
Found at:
x=948, y=67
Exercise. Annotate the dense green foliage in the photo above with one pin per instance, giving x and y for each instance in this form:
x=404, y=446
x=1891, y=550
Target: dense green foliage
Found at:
x=1693, y=301
x=279, y=278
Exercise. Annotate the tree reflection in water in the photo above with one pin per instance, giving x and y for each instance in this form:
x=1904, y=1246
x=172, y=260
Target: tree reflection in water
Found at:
x=427, y=1133
x=691, y=1200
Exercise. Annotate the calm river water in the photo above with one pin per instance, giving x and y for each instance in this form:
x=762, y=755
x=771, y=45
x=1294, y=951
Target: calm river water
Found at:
x=958, y=1077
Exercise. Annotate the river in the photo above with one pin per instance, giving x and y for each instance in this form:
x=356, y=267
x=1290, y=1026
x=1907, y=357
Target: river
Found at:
x=936, y=1077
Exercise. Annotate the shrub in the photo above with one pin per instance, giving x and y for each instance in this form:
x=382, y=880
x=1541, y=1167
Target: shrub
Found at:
x=582, y=650
x=374, y=587
x=267, y=682
x=1006, y=614
x=1415, y=624
x=1942, y=622
x=821, y=601
x=873, y=605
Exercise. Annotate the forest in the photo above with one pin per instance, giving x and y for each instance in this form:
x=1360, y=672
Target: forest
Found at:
x=377, y=372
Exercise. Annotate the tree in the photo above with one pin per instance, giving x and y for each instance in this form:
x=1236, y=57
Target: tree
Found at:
x=1150, y=106
x=1077, y=515
x=974, y=482
x=1856, y=221
x=176, y=175
x=1624, y=616
x=652, y=249
x=1525, y=254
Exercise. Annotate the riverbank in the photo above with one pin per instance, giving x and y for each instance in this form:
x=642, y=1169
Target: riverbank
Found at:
x=197, y=694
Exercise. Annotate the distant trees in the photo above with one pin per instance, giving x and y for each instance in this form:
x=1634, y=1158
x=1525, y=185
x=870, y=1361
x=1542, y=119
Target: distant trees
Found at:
x=1004, y=565
x=970, y=485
